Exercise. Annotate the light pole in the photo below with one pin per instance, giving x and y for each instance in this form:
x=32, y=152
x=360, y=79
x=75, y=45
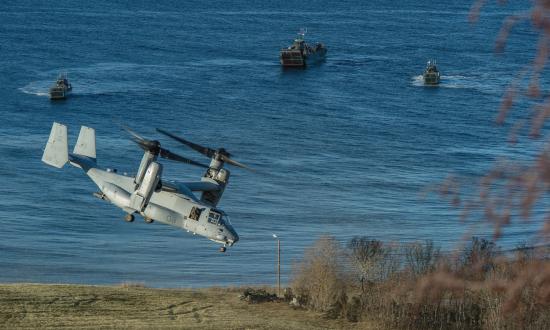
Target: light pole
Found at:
x=278, y=265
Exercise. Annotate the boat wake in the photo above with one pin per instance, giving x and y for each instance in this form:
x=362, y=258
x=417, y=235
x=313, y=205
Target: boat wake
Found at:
x=38, y=88
x=107, y=79
x=485, y=85
x=232, y=62
x=418, y=81
x=481, y=84
x=461, y=82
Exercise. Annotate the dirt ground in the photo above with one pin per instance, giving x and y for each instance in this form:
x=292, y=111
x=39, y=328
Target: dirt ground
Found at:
x=131, y=306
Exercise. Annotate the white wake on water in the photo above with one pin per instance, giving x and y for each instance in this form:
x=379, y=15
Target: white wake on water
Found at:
x=38, y=88
x=418, y=80
x=482, y=84
x=107, y=78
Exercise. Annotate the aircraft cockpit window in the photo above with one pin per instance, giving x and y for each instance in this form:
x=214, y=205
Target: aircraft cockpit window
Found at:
x=225, y=219
x=214, y=217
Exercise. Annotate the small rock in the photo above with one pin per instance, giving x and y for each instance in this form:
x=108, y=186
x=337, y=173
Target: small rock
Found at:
x=294, y=302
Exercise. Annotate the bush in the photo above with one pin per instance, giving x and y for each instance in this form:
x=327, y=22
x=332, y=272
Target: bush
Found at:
x=366, y=256
x=417, y=287
x=319, y=279
x=255, y=296
x=478, y=258
x=422, y=258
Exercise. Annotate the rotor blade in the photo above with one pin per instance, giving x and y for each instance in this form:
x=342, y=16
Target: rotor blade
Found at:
x=134, y=134
x=141, y=144
x=165, y=153
x=197, y=147
x=222, y=153
x=235, y=163
x=144, y=143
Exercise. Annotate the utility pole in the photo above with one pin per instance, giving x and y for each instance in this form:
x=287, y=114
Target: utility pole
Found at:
x=278, y=268
x=278, y=265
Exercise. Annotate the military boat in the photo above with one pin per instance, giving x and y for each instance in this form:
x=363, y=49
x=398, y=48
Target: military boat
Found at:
x=61, y=89
x=431, y=74
x=300, y=54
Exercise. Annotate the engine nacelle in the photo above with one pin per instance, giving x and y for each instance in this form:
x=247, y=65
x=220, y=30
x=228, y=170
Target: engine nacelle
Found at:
x=219, y=176
x=140, y=197
x=148, y=157
x=116, y=195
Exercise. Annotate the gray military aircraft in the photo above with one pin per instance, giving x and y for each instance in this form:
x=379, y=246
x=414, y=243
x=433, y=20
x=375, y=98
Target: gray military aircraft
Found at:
x=168, y=202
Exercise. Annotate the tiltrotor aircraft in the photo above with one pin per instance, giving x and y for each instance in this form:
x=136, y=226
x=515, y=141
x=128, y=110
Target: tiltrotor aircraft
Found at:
x=168, y=202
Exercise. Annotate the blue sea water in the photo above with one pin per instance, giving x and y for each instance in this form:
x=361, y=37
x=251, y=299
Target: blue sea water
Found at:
x=343, y=148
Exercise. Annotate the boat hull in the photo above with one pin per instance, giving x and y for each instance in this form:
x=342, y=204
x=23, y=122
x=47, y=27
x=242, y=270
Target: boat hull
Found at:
x=317, y=56
x=59, y=93
x=294, y=58
x=431, y=78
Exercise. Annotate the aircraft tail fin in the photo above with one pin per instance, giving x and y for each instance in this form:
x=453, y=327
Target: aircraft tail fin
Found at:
x=85, y=145
x=56, y=152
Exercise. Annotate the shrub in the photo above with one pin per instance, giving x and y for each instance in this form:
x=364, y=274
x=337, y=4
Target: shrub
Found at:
x=478, y=258
x=366, y=256
x=319, y=279
x=421, y=258
x=417, y=287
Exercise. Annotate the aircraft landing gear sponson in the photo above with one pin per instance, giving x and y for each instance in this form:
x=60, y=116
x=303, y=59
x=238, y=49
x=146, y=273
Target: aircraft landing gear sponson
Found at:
x=129, y=217
x=148, y=220
x=222, y=249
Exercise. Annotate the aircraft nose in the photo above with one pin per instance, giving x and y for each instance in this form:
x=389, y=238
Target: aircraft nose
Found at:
x=233, y=238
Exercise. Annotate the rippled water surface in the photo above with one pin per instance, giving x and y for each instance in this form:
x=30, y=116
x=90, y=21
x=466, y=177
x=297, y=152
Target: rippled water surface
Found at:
x=343, y=148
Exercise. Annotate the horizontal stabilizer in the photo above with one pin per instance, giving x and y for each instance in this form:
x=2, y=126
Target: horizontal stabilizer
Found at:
x=85, y=145
x=56, y=152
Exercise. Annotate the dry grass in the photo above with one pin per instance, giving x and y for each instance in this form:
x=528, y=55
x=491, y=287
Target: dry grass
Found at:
x=320, y=282
x=33, y=306
x=418, y=287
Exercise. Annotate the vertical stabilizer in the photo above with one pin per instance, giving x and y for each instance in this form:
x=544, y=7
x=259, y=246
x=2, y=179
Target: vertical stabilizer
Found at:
x=56, y=152
x=85, y=145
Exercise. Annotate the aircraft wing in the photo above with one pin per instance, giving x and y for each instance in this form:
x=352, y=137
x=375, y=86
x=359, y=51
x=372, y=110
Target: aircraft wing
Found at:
x=174, y=187
x=187, y=188
x=201, y=186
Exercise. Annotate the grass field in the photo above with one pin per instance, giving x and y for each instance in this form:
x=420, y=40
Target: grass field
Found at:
x=131, y=306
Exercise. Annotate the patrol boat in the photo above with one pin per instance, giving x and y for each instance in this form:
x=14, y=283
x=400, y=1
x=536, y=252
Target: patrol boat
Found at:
x=61, y=89
x=300, y=54
x=431, y=74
